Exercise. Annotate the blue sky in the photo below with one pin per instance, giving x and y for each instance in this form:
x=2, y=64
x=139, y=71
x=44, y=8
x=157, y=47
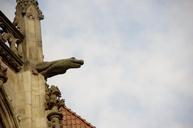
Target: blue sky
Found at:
x=138, y=59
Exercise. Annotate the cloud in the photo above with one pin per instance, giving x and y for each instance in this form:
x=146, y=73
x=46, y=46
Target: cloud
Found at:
x=138, y=62
x=7, y=7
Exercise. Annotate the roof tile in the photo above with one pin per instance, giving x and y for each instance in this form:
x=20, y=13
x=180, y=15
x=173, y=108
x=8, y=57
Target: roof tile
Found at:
x=72, y=120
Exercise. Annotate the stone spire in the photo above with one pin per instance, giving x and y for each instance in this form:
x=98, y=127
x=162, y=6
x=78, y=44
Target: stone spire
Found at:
x=27, y=20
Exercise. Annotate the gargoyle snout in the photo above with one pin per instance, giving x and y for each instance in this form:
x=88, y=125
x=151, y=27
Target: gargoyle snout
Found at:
x=81, y=62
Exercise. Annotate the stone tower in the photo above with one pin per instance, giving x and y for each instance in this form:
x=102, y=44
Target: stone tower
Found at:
x=26, y=100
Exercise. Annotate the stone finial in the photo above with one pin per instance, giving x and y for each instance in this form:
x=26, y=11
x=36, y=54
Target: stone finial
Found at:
x=49, y=69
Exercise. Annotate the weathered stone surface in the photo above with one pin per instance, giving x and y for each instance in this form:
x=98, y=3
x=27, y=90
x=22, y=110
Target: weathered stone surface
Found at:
x=30, y=100
x=27, y=20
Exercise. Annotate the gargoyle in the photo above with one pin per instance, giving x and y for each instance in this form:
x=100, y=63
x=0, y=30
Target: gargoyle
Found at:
x=49, y=69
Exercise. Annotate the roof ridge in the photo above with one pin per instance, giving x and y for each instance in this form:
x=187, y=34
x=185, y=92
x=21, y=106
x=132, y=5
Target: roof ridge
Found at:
x=78, y=116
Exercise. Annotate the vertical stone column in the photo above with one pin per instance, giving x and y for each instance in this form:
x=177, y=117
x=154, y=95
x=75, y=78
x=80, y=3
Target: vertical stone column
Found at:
x=27, y=19
x=31, y=87
x=31, y=100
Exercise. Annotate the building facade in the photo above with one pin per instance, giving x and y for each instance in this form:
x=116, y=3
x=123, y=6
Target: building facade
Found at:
x=26, y=100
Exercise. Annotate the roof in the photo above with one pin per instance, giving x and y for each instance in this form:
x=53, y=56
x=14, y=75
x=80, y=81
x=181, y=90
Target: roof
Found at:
x=72, y=120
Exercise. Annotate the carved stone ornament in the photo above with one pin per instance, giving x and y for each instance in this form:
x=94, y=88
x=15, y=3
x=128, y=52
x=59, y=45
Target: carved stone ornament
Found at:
x=49, y=69
x=53, y=96
x=12, y=41
x=53, y=103
x=54, y=119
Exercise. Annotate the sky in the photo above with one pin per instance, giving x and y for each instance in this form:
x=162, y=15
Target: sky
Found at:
x=138, y=59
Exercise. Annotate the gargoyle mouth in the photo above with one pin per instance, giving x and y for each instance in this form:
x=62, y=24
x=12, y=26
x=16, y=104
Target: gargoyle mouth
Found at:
x=74, y=60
